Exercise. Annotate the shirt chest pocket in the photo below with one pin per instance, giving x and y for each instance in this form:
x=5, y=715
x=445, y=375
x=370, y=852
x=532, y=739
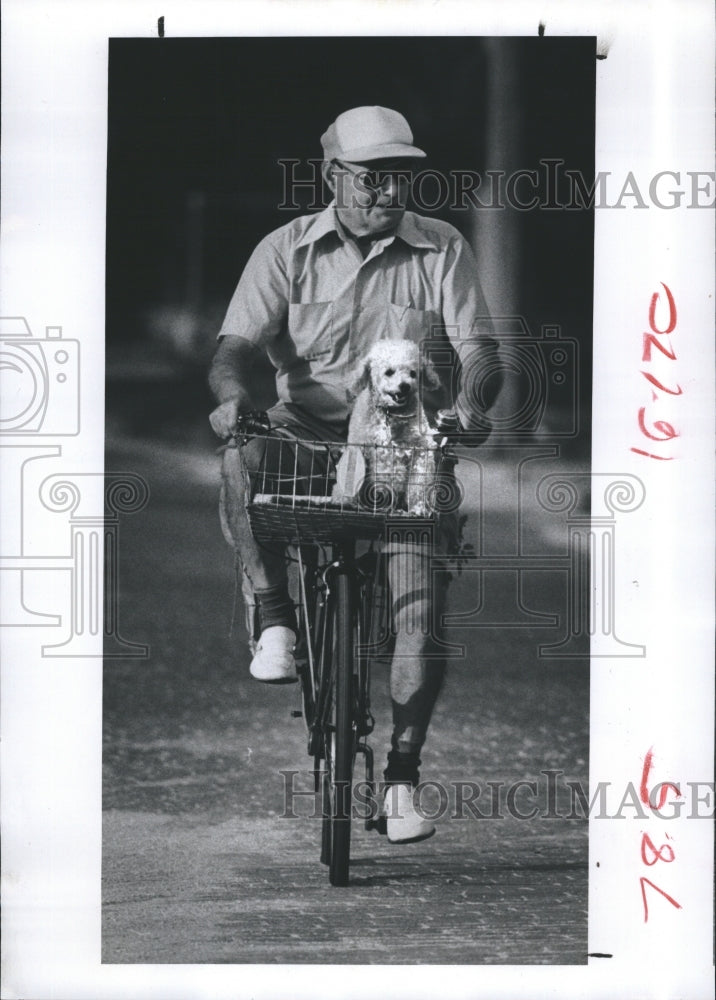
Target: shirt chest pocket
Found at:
x=310, y=327
x=406, y=323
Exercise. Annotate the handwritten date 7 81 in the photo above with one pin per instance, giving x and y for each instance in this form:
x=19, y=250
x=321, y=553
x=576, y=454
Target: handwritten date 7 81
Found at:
x=650, y=853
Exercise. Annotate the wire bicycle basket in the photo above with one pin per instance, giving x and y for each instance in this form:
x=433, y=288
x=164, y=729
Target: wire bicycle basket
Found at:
x=319, y=491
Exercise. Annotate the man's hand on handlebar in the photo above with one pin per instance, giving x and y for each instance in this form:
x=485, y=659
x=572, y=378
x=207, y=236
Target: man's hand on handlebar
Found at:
x=448, y=424
x=224, y=418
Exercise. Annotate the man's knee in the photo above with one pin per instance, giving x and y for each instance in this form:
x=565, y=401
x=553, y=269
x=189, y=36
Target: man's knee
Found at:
x=246, y=469
x=418, y=606
x=232, y=498
x=414, y=580
x=237, y=464
x=231, y=471
x=255, y=454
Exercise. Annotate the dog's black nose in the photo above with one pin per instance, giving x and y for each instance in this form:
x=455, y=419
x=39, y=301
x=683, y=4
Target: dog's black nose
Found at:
x=404, y=387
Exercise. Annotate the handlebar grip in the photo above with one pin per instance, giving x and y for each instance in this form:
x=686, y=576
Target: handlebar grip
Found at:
x=256, y=423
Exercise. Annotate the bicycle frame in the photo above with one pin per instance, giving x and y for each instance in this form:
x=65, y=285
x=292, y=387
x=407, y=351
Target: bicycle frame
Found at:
x=317, y=643
x=296, y=503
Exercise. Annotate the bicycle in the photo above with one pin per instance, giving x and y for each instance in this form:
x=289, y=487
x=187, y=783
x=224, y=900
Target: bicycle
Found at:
x=298, y=506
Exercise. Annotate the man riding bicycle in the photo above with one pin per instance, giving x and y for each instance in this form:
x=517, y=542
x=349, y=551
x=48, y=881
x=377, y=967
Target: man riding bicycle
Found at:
x=315, y=295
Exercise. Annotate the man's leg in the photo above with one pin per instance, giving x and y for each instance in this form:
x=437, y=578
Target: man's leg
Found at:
x=416, y=676
x=263, y=567
x=271, y=616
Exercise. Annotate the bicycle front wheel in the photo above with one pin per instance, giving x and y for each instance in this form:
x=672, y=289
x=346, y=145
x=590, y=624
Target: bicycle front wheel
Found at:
x=342, y=751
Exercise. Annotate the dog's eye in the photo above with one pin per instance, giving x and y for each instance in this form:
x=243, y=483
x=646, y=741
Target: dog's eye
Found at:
x=413, y=374
x=390, y=371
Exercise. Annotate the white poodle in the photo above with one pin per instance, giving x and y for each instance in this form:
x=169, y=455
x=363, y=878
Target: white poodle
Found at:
x=389, y=423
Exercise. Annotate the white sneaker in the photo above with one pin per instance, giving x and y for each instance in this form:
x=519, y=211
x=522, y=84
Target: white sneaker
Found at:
x=273, y=661
x=404, y=823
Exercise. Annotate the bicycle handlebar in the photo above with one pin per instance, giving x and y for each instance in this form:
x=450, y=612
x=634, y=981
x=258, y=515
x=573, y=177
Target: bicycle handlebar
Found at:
x=254, y=423
x=257, y=423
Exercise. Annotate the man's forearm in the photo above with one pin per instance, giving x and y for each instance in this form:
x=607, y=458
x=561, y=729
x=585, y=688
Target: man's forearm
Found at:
x=231, y=373
x=481, y=379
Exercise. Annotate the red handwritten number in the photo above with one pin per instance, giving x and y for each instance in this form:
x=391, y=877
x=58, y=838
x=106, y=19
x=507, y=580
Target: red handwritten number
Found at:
x=654, y=381
x=645, y=771
x=650, y=853
x=659, y=425
x=664, y=789
x=650, y=454
x=644, y=882
x=672, y=311
x=649, y=340
x=656, y=853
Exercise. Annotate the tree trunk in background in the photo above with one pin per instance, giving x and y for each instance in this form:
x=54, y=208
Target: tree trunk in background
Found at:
x=497, y=233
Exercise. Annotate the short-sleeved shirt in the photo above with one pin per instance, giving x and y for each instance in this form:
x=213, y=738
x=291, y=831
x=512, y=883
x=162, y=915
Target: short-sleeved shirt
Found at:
x=311, y=300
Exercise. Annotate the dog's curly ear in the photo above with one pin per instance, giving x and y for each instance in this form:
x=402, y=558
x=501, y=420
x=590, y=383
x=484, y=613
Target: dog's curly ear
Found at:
x=429, y=374
x=361, y=379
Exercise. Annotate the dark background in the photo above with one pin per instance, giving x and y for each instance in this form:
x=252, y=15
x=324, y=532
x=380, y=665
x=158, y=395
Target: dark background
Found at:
x=196, y=130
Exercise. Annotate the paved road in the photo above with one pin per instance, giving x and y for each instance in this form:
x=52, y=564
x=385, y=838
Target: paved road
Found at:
x=199, y=864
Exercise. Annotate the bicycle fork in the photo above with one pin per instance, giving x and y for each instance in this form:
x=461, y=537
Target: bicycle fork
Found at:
x=373, y=821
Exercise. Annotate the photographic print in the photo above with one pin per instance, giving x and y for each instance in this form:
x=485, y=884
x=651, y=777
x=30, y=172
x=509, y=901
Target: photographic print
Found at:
x=356, y=482
x=213, y=144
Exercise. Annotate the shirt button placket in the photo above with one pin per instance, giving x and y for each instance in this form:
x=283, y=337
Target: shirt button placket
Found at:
x=355, y=339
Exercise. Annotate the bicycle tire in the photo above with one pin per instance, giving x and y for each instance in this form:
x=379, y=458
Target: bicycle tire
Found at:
x=341, y=770
x=308, y=620
x=325, y=794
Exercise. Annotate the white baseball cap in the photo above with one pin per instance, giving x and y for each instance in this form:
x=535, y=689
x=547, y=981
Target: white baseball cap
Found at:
x=369, y=133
